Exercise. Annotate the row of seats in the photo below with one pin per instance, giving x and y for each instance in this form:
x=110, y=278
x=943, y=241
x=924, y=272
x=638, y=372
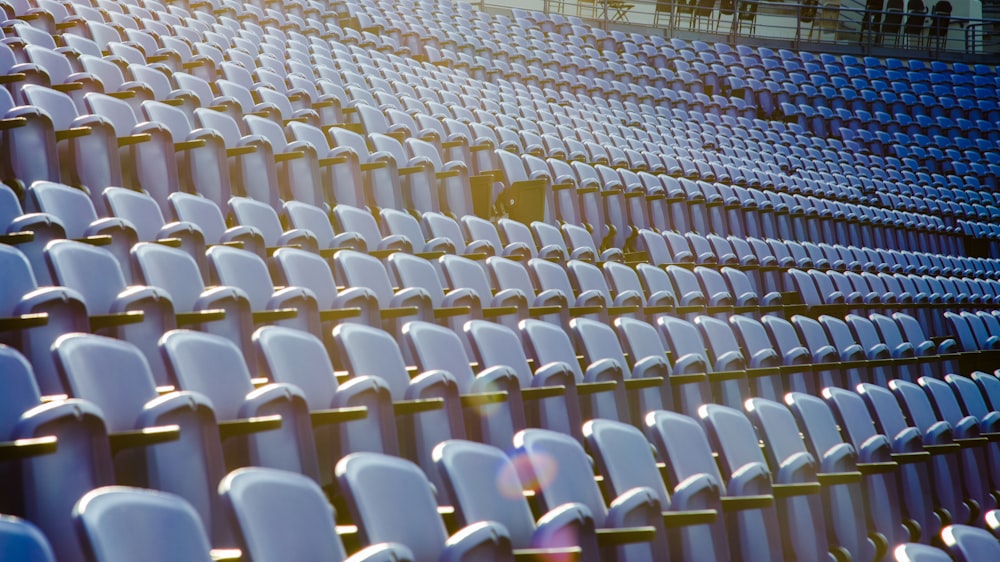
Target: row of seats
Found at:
x=959, y=473
x=300, y=244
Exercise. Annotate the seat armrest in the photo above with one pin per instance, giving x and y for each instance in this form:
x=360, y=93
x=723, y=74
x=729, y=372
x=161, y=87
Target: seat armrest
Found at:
x=143, y=437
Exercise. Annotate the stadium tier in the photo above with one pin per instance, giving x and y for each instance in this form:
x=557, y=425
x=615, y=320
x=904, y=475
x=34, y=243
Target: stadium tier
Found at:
x=387, y=281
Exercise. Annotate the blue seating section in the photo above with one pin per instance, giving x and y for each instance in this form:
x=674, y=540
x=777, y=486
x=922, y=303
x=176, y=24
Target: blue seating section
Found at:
x=381, y=281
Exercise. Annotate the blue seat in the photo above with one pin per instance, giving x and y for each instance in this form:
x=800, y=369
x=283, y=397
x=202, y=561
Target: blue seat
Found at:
x=79, y=218
x=357, y=270
x=915, y=552
x=623, y=457
x=391, y=500
x=213, y=366
x=207, y=216
x=909, y=484
x=148, y=158
x=967, y=461
x=150, y=224
x=551, y=400
x=694, y=480
x=114, y=376
x=804, y=516
x=34, y=317
x=599, y=385
x=966, y=543
x=491, y=400
x=263, y=218
x=625, y=530
x=290, y=306
x=280, y=515
x=118, y=309
x=54, y=453
x=762, y=374
x=646, y=382
x=21, y=540
x=118, y=523
x=746, y=473
x=882, y=523
x=484, y=483
x=427, y=406
x=937, y=473
x=220, y=310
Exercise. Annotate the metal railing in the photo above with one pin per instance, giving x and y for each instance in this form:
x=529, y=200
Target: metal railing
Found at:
x=822, y=22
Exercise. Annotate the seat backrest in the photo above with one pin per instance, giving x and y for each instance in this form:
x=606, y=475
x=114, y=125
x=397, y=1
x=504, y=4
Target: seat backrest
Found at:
x=72, y=206
x=301, y=268
x=967, y=544
x=244, y=269
x=483, y=481
x=23, y=541
x=280, y=515
x=90, y=270
x=111, y=373
x=354, y=269
x=372, y=352
x=120, y=524
x=211, y=365
x=390, y=499
x=172, y=270
x=573, y=482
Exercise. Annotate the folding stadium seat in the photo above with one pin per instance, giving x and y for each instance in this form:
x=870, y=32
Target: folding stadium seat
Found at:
x=55, y=453
x=392, y=501
x=262, y=218
x=966, y=543
x=300, y=359
x=34, y=317
x=144, y=214
x=129, y=312
x=148, y=157
x=252, y=160
x=307, y=223
x=463, y=465
x=477, y=228
x=450, y=307
x=427, y=406
x=545, y=405
x=693, y=476
x=618, y=536
x=599, y=384
x=23, y=540
x=207, y=216
x=623, y=458
x=19, y=228
x=113, y=376
x=548, y=276
x=213, y=366
x=103, y=515
x=77, y=214
x=298, y=170
x=938, y=476
x=733, y=437
x=840, y=493
x=201, y=153
x=220, y=310
x=904, y=337
x=491, y=415
x=646, y=379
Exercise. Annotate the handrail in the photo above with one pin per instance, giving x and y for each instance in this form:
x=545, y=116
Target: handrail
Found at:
x=835, y=22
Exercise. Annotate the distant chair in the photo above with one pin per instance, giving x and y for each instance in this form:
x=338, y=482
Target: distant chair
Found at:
x=892, y=23
x=746, y=15
x=913, y=30
x=937, y=34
